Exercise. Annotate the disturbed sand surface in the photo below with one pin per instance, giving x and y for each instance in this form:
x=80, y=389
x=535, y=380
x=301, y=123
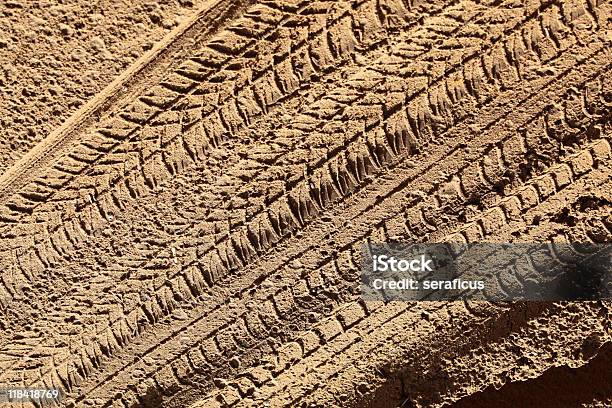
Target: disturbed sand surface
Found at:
x=192, y=235
x=57, y=55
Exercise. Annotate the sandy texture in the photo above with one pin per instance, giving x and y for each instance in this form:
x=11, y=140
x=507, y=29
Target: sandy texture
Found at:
x=192, y=235
x=58, y=55
x=587, y=386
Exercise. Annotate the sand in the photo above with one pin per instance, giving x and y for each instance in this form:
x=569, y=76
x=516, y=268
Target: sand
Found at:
x=183, y=206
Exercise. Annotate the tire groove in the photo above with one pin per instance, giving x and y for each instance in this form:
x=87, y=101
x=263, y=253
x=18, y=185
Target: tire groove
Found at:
x=346, y=189
x=304, y=42
x=245, y=289
x=151, y=183
x=335, y=353
x=146, y=158
x=374, y=157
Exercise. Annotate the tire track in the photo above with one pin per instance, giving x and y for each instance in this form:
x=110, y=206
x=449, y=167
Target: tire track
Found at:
x=238, y=290
x=39, y=258
x=200, y=24
x=106, y=212
x=301, y=349
x=50, y=240
x=297, y=193
x=69, y=232
x=344, y=317
x=504, y=234
x=113, y=334
x=314, y=394
x=231, y=43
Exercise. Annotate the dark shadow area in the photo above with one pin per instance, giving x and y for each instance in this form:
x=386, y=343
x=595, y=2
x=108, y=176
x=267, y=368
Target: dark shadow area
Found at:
x=421, y=372
x=559, y=387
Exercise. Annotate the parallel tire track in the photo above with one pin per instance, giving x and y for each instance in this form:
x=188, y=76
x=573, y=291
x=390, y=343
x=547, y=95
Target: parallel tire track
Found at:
x=230, y=328
x=514, y=101
x=317, y=344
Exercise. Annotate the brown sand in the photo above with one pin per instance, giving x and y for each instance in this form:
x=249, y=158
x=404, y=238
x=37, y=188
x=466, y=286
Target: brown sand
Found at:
x=191, y=235
x=57, y=55
x=588, y=385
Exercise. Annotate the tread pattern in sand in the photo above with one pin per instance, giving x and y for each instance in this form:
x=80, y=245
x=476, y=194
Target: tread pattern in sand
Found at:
x=206, y=224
